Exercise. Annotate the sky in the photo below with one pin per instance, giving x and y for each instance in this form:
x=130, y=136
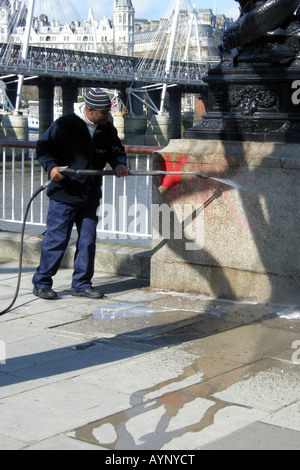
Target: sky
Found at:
x=150, y=9
x=155, y=9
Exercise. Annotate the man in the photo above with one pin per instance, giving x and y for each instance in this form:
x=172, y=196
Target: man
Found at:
x=85, y=139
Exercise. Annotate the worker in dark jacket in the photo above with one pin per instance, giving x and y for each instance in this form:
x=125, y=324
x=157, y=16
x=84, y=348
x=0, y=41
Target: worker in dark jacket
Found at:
x=85, y=139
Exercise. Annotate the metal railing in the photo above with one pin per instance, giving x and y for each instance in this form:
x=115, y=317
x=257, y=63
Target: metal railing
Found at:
x=60, y=63
x=125, y=209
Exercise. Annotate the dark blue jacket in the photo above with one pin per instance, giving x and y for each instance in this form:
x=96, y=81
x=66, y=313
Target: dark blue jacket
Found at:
x=68, y=142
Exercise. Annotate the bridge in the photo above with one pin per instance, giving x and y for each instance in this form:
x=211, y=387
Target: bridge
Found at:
x=104, y=68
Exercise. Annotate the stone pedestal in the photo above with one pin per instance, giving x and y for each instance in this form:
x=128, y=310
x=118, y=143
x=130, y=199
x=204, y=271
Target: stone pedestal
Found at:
x=118, y=120
x=135, y=128
x=247, y=243
x=14, y=127
x=161, y=129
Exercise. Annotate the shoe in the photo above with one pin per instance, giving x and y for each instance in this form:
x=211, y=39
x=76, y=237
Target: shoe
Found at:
x=90, y=293
x=46, y=293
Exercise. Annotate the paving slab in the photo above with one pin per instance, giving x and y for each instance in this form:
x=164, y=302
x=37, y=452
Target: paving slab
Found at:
x=258, y=436
x=144, y=369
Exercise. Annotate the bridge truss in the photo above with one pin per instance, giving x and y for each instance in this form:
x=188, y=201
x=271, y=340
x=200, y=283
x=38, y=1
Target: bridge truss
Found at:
x=42, y=61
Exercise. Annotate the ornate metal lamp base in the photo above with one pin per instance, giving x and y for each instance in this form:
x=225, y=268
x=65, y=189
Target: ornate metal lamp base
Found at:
x=258, y=103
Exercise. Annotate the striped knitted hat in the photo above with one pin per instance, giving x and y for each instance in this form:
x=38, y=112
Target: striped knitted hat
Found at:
x=98, y=100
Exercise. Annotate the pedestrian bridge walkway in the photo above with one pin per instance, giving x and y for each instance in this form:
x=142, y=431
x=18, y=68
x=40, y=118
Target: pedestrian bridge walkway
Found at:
x=78, y=64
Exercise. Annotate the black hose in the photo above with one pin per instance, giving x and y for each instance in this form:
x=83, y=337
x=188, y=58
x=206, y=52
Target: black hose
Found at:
x=35, y=194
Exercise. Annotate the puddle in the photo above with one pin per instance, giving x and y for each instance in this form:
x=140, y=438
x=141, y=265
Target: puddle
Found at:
x=289, y=314
x=82, y=347
x=134, y=310
x=123, y=310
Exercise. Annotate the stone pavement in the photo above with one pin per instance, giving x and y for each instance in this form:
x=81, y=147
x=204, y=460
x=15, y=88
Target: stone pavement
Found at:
x=144, y=369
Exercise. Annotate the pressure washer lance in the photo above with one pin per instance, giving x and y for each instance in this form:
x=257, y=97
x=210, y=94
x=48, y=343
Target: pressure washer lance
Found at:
x=70, y=172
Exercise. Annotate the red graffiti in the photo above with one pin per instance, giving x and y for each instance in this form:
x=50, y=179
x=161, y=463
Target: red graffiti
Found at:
x=169, y=181
x=205, y=191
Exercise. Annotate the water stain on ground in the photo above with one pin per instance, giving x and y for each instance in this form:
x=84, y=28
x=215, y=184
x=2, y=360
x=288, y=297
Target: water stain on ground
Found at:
x=227, y=343
x=157, y=424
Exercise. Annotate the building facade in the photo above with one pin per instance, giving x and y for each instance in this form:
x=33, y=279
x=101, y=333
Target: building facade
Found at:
x=123, y=28
x=123, y=35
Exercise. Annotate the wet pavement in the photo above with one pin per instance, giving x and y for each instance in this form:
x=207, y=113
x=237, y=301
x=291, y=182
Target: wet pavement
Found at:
x=145, y=370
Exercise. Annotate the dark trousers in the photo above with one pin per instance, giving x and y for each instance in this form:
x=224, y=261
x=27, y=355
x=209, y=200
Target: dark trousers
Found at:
x=60, y=221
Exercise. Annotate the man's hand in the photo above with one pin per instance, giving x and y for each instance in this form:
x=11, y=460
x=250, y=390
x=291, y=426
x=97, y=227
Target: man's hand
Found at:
x=55, y=175
x=121, y=171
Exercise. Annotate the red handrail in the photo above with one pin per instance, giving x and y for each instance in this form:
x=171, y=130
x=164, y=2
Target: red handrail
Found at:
x=130, y=149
